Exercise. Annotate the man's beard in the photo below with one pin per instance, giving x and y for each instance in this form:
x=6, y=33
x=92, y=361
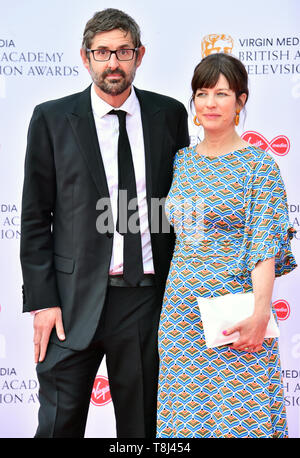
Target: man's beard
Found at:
x=113, y=87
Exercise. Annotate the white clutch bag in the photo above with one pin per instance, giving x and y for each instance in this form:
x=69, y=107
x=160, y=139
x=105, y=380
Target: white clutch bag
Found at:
x=221, y=312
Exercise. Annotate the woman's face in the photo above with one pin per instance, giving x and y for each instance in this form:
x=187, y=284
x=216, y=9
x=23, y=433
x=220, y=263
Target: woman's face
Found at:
x=216, y=107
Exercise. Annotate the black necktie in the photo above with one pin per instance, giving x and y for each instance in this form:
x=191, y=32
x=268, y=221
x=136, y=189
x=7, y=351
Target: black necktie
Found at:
x=128, y=221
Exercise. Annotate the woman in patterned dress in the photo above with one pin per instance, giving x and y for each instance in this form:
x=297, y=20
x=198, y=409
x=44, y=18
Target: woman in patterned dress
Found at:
x=242, y=243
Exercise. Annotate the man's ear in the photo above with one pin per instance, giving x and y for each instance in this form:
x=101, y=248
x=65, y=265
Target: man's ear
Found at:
x=141, y=52
x=85, y=59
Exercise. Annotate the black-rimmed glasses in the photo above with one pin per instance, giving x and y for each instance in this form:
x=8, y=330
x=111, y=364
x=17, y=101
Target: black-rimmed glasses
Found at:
x=102, y=55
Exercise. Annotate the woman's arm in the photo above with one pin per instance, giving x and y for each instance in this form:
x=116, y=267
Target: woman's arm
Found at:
x=252, y=330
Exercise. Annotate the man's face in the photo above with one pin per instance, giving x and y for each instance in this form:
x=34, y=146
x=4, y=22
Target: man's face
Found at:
x=113, y=77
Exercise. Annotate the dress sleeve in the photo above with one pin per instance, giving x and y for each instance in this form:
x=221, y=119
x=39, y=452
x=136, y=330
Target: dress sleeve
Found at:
x=267, y=230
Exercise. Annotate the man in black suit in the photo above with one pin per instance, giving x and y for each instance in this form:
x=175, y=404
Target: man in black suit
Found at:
x=96, y=290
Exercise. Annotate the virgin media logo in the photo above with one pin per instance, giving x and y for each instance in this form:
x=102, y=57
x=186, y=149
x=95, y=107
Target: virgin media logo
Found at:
x=101, y=393
x=282, y=308
x=280, y=145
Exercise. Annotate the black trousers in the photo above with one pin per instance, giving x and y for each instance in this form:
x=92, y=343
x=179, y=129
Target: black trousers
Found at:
x=127, y=336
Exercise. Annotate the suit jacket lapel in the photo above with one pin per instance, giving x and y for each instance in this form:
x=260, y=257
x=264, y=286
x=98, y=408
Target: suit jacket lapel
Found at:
x=84, y=128
x=153, y=122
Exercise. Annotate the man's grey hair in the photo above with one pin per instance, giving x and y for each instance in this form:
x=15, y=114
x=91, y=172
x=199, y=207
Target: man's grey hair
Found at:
x=110, y=19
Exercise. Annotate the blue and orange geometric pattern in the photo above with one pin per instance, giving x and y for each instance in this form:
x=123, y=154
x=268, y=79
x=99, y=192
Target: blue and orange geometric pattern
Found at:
x=228, y=212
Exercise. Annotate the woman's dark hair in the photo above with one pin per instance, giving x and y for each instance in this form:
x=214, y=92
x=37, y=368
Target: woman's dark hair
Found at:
x=207, y=73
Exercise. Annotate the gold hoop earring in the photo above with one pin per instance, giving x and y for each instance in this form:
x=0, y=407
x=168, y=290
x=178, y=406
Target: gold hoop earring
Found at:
x=196, y=122
x=237, y=118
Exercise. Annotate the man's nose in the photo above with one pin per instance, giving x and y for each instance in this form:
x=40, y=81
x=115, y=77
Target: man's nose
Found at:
x=113, y=62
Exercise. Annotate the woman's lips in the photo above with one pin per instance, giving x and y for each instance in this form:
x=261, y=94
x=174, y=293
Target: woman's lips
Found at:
x=211, y=115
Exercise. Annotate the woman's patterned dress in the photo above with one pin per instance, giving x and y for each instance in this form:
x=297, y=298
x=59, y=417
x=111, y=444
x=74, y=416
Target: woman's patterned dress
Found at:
x=228, y=212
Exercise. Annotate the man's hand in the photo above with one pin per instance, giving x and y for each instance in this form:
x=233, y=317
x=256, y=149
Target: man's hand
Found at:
x=44, y=322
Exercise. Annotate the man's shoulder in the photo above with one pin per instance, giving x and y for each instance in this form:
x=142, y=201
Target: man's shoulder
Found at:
x=60, y=104
x=159, y=99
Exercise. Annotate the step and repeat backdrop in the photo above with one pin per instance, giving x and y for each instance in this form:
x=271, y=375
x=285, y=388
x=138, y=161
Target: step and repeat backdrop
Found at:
x=39, y=60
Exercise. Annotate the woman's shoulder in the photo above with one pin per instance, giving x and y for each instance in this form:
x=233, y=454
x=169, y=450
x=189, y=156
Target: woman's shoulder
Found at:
x=256, y=158
x=258, y=154
x=184, y=152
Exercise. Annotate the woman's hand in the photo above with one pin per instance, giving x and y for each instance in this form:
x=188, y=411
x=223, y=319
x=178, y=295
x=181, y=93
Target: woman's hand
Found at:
x=252, y=331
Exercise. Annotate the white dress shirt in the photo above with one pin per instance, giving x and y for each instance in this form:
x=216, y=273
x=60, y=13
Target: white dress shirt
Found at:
x=108, y=132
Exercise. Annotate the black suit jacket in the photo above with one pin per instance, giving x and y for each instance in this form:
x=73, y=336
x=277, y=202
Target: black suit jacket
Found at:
x=65, y=260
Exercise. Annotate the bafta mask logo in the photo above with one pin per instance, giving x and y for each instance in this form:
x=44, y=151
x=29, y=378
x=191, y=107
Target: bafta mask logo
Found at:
x=214, y=43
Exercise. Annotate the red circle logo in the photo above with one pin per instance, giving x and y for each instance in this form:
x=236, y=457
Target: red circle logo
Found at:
x=101, y=393
x=280, y=145
x=282, y=309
